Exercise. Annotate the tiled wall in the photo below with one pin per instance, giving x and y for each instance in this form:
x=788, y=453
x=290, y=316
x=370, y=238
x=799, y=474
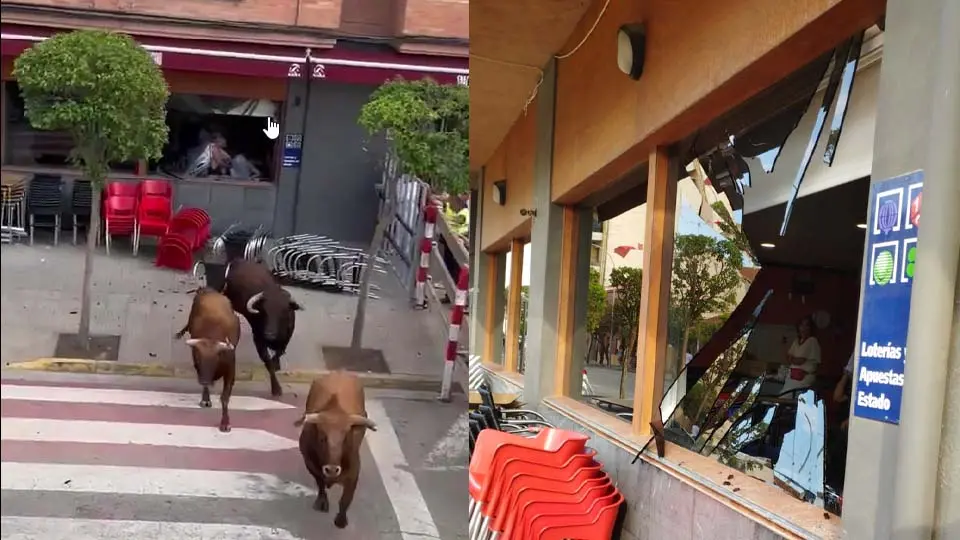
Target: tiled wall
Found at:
x=659, y=506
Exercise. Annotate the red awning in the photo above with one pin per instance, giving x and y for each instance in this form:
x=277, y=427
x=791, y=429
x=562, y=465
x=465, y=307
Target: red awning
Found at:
x=187, y=55
x=374, y=68
x=272, y=61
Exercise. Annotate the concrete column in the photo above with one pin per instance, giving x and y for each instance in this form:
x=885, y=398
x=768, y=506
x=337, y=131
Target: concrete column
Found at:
x=294, y=121
x=892, y=470
x=497, y=308
x=948, y=490
x=932, y=300
x=545, y=257
x=581, y=338
x=479, y=272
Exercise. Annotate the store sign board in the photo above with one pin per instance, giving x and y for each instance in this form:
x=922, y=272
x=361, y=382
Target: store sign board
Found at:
x=891, y=257
x=292, y=150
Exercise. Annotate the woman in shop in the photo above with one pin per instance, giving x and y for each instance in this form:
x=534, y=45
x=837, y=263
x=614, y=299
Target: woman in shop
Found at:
x=803, y=358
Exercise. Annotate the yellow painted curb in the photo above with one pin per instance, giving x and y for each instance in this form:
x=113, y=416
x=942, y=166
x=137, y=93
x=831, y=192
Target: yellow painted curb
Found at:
x=106, y=367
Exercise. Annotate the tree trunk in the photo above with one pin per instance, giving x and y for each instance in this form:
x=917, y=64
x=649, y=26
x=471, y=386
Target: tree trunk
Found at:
x=682, y=362
x=625, y=361
x=366, y=275
x=83, y=332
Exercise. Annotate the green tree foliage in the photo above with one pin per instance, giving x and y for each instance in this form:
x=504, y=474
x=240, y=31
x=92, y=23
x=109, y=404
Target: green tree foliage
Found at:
x=106, y=91
x=625, y=311
x=596, y=301
x=732, y=231
x=428, y=127
x=706, y=274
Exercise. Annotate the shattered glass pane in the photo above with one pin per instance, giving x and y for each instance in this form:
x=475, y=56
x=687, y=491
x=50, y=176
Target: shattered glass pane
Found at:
x=706, y=406
x=829, y=94
x=843, y=99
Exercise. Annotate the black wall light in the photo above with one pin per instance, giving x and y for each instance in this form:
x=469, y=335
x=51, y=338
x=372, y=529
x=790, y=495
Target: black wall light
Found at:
x=500, y=192
x=631, y=48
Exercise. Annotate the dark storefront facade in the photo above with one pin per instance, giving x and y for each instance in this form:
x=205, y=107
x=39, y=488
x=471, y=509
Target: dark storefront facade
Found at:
x=317, y=177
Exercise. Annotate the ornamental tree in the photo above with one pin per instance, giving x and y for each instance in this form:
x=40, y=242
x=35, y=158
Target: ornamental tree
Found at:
x=107, y=92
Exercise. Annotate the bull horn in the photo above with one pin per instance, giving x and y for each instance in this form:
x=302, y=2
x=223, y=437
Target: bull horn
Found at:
x=252, y=301
x=363, y=421
x=193, y=342
x=225, y=346
x=308, y=418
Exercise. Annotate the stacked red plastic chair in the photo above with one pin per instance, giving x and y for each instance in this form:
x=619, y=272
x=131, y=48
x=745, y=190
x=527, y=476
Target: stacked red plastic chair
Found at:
x=119, y=211
x=188, y=232
x=154, y=209
x=543, y=487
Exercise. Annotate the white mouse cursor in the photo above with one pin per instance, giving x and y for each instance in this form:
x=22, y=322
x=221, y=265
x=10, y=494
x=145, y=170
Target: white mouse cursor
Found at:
x=273, y=129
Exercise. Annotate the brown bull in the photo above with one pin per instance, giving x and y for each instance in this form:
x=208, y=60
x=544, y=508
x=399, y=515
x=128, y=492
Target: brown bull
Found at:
x=334, y=423
x=214, y=333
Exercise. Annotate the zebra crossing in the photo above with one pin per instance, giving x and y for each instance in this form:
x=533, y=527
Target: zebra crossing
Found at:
x=94, y=462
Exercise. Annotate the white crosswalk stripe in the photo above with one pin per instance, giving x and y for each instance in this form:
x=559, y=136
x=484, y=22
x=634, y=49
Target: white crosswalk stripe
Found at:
x=36, y=528
x=129, y=445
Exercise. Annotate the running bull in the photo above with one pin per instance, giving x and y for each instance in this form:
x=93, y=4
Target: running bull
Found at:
x=269, y=309
x=214, y=333
x=334, y=423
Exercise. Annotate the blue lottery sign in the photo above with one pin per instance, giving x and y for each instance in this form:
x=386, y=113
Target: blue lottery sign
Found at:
x=891, y=259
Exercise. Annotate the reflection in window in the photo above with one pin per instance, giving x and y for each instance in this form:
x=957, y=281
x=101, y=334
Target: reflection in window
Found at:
x=702, y=416
x=26, y=146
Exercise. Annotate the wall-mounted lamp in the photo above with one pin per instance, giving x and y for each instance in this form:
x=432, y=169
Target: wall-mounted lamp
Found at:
x=500, y=192
x=528, y=212
x=631, y=48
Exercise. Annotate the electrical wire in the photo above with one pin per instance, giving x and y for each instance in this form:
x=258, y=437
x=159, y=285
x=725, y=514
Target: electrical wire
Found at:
x=536, y=87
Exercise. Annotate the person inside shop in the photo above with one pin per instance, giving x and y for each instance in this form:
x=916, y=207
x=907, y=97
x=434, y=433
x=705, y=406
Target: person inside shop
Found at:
x=835, y=469
x=803, y=358
x=844, y=389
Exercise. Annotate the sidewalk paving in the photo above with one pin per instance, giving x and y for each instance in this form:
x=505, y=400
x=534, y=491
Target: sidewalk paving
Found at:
x=145, y=305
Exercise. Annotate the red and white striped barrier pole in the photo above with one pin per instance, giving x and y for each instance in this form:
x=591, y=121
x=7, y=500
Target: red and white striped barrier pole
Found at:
x=426, y=245
x=453, y=340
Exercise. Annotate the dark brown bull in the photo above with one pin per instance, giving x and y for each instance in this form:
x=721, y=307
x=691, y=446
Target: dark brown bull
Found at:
x=214, y=333
x=334, y=423
x=269, y=309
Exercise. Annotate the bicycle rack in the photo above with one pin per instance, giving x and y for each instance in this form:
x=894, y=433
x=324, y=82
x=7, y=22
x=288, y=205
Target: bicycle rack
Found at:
x=320, y=261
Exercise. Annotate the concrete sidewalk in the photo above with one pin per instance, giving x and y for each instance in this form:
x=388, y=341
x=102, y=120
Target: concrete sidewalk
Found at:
x=145, y=305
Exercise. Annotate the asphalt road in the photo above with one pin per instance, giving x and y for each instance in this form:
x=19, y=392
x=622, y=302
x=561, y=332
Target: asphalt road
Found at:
x=103, y=457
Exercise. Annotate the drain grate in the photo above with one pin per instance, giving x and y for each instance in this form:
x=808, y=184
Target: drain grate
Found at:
x=103, y=347
x=365, y=360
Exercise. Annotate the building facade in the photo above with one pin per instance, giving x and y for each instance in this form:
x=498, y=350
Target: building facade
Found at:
x=310, y=65
x=795, y=124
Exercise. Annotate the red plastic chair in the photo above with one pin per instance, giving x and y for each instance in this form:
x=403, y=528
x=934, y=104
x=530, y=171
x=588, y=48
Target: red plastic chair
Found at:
x=550, y=446
x=121, y=189
x=156, y=188
x=520, y=476
x=153, y=219
x=194, y=219
x=543, y=498
x=596, y=523
x=119, y=217
x=490, y=441
x=174, y=251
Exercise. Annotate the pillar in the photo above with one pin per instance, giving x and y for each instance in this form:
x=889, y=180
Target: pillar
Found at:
x=662, y=178
x=546, y=241
x=479, y=268
x=581, y=276
x=892, y=470
x=295, y=110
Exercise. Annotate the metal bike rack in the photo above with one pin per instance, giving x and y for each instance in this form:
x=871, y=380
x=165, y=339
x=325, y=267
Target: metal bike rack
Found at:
x=320, y=261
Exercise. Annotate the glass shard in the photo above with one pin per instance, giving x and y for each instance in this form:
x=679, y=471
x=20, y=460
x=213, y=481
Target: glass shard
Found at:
x=829, y=94
x=843, y=99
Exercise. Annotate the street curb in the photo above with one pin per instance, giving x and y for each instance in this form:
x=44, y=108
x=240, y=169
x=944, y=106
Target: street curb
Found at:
x=399, y=381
